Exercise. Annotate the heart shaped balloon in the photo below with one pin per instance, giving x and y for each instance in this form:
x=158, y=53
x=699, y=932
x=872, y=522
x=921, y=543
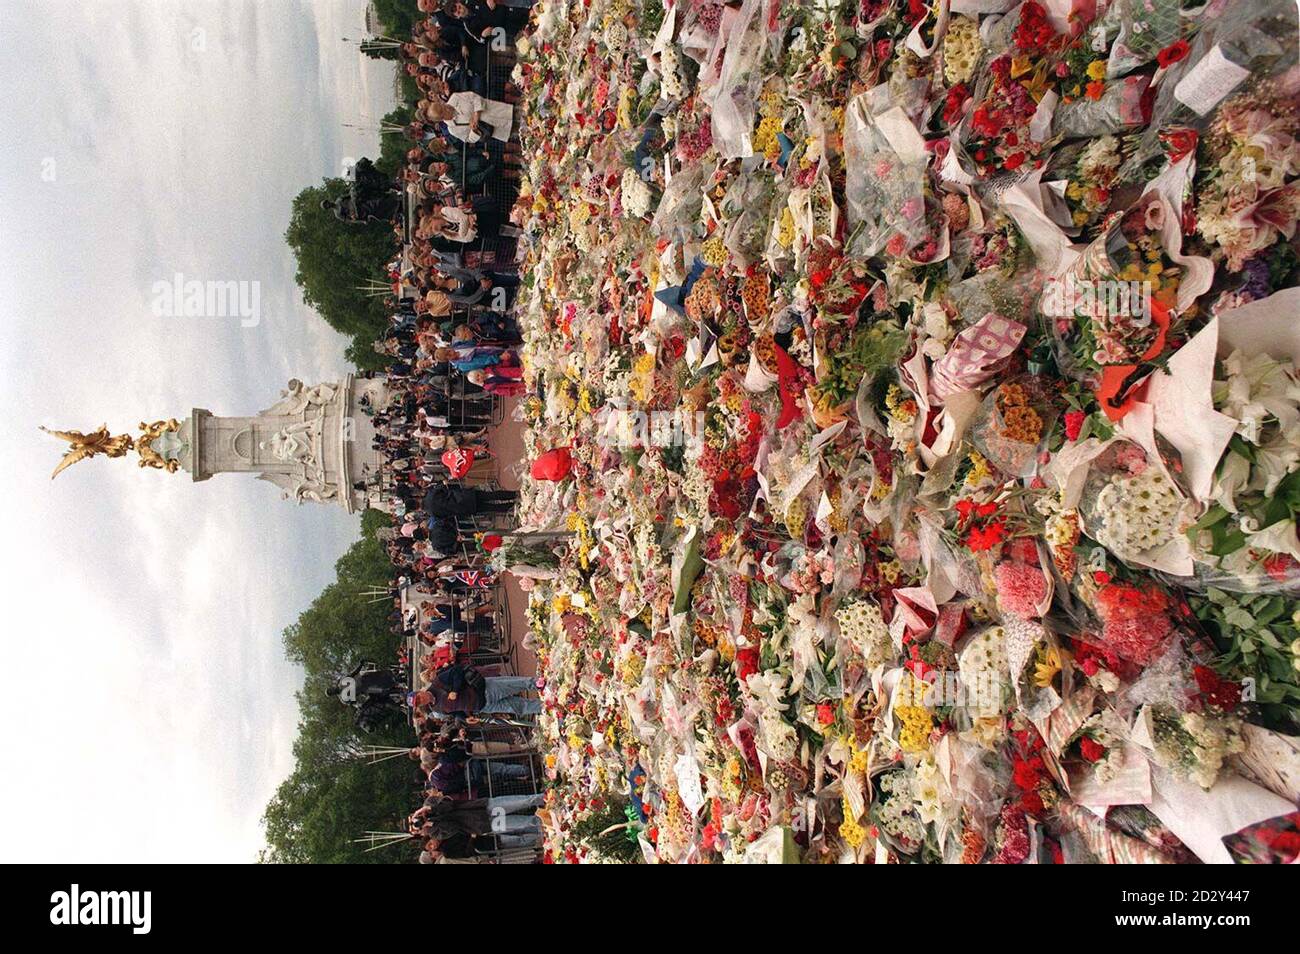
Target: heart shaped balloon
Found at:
x=458, y=462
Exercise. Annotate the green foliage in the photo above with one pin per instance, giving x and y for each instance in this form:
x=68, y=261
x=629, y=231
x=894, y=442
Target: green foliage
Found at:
x=398, y=17
x=393, y=147
x=618, y=845
x=1255, y=634
x=335, y=261
x=333, y=797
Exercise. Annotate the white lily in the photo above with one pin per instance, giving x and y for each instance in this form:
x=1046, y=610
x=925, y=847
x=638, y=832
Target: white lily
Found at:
x=1279, y=538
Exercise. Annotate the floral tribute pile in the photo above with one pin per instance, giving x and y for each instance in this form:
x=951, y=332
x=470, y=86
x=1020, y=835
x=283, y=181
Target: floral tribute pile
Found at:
x=928, y=370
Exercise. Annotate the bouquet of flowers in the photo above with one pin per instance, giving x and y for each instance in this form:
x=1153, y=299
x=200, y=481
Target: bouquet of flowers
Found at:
x=1014, y=421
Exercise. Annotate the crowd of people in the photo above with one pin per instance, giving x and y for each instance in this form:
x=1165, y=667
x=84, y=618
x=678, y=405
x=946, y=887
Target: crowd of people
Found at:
x=452, y=359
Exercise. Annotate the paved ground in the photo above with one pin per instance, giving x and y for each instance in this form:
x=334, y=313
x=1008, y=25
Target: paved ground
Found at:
x=508, y=445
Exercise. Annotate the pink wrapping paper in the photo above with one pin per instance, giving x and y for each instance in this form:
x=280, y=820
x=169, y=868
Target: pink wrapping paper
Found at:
x=975, y=355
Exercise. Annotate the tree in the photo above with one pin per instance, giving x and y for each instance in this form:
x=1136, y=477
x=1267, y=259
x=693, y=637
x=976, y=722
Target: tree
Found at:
x=398, y=17
x=335, y=261
x=333, y=797
x=393, y=146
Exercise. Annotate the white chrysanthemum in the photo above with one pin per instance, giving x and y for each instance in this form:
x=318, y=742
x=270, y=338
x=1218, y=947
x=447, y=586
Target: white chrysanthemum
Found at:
x=984, y=671
x=616, y=37
x=961, y=49
x=779, y=738
x=672, y=79
x=862, y=624
x=636, y=196
x=1137, y=514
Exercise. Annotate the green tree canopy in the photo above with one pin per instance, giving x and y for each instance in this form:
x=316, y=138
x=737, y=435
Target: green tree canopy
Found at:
x=333, y=797
x=335, y=261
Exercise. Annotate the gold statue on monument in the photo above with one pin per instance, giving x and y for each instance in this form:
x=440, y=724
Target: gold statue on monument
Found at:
x=149, y=456
x=90, y=445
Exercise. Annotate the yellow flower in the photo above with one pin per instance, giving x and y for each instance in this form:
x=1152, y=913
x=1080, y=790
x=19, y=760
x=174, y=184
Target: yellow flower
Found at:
x=1097, y=70
x=714, y=252
x=852, y=833
x=916, y=720
x=890, y=570
x=1046, y=668
x=786, y=234
x=979, y=469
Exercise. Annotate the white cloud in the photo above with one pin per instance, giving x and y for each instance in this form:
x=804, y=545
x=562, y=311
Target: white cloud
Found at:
x=148, y=688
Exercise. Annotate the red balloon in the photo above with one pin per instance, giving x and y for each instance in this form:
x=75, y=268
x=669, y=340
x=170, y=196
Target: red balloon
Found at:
x=458, y=462
x=553, y=465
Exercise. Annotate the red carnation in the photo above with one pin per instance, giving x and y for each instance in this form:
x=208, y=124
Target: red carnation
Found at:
x=986, y=538
x=956, y=99
x=1091, y=750
x=1026, y=773
x=746, y=663
x=1173, y=53
x=1219, y=692
x=1074, y=424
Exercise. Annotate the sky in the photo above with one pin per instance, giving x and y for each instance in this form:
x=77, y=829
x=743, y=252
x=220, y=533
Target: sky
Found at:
x=149, y=711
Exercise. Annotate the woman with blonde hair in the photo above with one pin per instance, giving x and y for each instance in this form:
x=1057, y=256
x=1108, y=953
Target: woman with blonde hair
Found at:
x=438, y=302
x=453, y=222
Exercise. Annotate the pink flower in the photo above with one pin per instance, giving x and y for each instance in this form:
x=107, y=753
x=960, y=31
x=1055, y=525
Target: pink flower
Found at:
x=1138, y=640
x=1021, y=588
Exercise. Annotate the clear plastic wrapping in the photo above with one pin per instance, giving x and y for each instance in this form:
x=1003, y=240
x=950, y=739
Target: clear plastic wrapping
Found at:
x=885, y=175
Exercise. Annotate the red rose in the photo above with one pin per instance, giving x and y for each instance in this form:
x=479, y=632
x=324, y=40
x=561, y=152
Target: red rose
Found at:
x=1179, y=142
x=956, y=99
x=1173, y=53
x=1074, y=424
x=746, y=663
x=1285, y=845
x=825, y=713
x=1090, y=750
x=1026, y=773
x=1219, y=692
x=1013, y=161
